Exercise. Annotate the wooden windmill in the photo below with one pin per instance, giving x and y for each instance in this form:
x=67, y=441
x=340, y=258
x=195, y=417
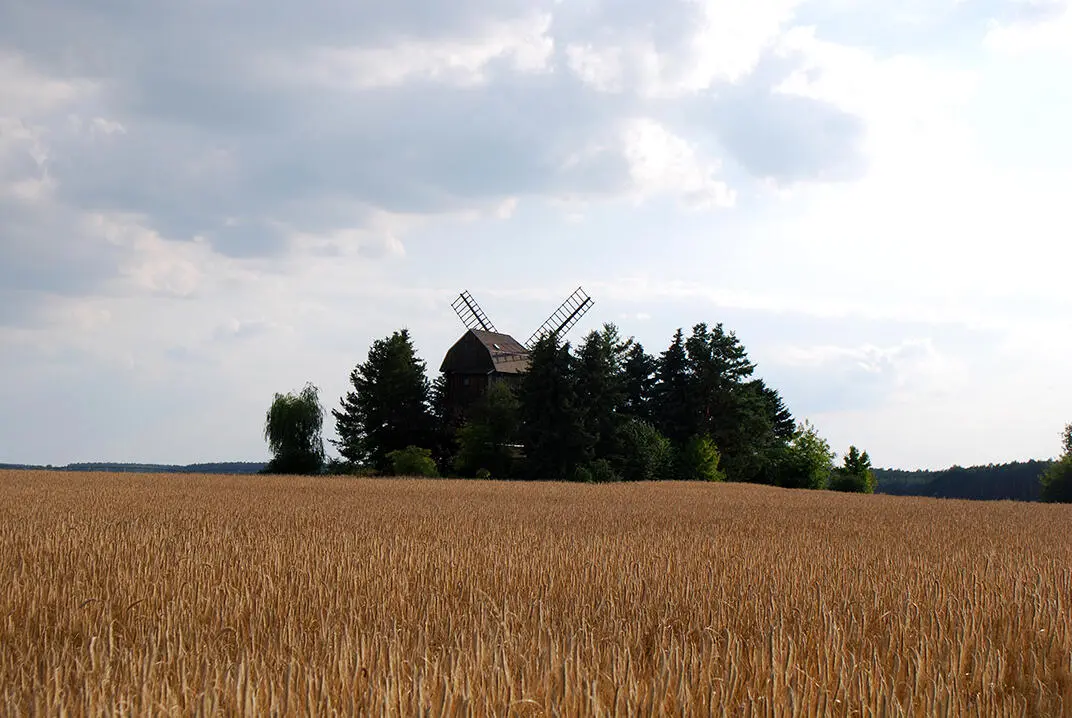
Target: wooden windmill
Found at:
x=484, y=355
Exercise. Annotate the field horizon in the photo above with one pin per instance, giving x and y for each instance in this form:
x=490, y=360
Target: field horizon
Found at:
x=245, y=594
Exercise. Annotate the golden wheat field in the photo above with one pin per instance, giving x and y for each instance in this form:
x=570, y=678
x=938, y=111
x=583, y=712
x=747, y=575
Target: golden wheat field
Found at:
x=157, y=595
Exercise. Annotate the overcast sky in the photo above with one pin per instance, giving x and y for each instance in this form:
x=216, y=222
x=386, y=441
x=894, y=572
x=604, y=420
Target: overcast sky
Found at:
x=205, y=202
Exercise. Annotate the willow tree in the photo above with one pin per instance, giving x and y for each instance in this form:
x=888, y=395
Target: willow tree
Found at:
x=292, y=428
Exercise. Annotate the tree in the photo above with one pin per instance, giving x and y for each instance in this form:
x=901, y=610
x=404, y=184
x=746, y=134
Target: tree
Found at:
x=444, y=432
x=782, y=423
x=699, y=460
x=389, y=406
x=675, y=411
x=855, y=475
x=552, y=423
x=600, y=386
x=639, y=383
x=646, y=454
x=806, y=463
x=1057, y=479
x=731, y=408
x=292, y=428
x=412, y=461
x=486, y=440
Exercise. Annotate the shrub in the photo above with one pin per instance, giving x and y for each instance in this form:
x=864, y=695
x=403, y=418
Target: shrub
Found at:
x=483, y=474
x=412, y=461
x=646, y=454
x=856, y=475
x=699, y=459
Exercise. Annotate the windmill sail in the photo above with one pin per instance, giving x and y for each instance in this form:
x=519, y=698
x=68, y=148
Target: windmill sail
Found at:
x=564, y=318
x=472, y=316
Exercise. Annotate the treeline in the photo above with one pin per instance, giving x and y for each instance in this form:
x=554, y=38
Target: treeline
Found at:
x=607, y=411
x=1015, y=481
x=219, y=467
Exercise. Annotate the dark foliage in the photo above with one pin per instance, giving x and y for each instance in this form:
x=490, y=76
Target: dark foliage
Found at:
x=1017, y=481
x=389, y=407
x=553, y=431
x=292, y=428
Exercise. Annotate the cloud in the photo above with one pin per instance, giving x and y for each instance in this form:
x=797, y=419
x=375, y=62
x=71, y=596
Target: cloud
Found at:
x=200, y=198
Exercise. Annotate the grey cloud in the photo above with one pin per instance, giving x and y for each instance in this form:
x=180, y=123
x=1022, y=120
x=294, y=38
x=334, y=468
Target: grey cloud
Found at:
x=778, y=136
x=210, y=137
x=791, y=138
x=37, y=251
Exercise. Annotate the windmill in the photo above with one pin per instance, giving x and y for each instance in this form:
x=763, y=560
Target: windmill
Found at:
x=484, y=355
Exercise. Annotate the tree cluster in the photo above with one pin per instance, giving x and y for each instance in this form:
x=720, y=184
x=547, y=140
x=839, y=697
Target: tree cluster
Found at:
x=606, y=411
x=1057, y=479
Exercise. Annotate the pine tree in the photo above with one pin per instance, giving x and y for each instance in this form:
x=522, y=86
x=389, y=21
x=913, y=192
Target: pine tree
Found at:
x=552, y=428
x=639, y=378
x=674, y=405
x=389, y=406
x=600, y=384
x=485, y=440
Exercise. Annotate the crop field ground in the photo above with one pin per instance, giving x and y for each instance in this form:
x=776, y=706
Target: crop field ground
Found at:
x=125, y=594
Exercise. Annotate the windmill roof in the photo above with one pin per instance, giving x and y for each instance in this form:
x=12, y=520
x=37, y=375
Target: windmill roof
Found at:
x=500, y=352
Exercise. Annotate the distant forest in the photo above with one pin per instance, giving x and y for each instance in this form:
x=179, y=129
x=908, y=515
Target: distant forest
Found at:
x=1017, y=481
x=221, y=467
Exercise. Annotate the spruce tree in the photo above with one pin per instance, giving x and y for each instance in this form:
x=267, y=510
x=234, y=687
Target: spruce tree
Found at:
x=675, y=410
x=388, y=408
x=552, y=422
x=639, y=370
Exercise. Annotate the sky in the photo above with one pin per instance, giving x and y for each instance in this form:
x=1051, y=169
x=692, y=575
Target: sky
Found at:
x=205, y=203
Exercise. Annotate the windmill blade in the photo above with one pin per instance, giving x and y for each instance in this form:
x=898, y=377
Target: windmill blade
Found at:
x=472, y=316
x=564, y=318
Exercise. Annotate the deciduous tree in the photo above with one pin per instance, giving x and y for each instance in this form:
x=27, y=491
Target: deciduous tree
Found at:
x=1057, y=479
x=292, y=428
x=855, y=475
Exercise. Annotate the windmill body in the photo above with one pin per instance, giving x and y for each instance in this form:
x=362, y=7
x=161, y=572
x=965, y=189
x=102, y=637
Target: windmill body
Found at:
x=484, y=355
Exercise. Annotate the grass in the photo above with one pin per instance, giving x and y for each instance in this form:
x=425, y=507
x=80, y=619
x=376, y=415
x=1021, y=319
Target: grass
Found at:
x=139, y=594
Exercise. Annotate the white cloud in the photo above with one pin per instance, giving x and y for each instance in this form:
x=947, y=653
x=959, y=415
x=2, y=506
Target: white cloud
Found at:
x=661, y=162
x=1050, y=32
x=26, y=92
x=723, y=44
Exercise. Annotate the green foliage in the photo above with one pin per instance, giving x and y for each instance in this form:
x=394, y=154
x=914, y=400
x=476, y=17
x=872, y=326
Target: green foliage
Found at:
x=806, y=463
x=552, y=420
x=1056, y=481
x=638, y=378
x=412, y=461
x=600, y=386
x=599, y=471
x=483, y=474
x=646, y=455
x=699, y=460
x=389, y=406
x=676, y=414
x=292, y=428
x=855, y=475
x=486, y=440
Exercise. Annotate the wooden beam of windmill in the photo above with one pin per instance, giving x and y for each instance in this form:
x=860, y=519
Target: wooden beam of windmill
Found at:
x=564, y=318
x=472, y=316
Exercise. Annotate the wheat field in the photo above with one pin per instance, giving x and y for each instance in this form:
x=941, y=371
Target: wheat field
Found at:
x=126, y=594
